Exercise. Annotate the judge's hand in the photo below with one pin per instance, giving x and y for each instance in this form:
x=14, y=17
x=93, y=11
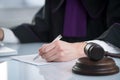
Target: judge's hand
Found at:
x=1, y=34
x=62, y=51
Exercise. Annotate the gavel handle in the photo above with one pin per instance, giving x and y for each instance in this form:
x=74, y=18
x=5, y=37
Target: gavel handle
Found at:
x=112, y=55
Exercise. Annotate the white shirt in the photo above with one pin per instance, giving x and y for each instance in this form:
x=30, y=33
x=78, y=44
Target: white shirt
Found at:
x=9, y=37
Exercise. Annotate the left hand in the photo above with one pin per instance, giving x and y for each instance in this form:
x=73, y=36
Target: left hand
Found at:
x=1, y=34
x=62, y=51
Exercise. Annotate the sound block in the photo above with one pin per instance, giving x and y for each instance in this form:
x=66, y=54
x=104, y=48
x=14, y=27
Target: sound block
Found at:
x=105, y=66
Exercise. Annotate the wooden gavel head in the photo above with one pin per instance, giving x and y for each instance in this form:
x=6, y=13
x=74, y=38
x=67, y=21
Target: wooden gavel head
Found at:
x=94, y=51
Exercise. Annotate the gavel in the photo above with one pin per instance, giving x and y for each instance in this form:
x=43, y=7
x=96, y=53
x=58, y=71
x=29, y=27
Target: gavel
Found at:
x=95, y=52
x=96, y=63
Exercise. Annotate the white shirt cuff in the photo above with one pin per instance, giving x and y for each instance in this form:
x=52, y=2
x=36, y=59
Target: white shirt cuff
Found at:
x=9, y=36
x=106, y=46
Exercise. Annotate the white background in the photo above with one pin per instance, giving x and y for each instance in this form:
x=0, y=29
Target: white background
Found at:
x=15, y=12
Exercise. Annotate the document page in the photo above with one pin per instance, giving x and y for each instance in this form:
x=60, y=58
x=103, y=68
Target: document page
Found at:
x=29, y=59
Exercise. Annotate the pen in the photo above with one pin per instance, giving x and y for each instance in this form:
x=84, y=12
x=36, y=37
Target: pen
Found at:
x=57, y=38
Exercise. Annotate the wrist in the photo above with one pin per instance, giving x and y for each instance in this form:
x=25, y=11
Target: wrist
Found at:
x=1, y=34
x=80, y=48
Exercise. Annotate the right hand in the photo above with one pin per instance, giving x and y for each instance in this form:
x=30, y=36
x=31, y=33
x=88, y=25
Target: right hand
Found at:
x=62, y=51
x=1, y=34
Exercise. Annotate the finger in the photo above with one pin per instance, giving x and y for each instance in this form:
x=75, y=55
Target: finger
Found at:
x=49, y=47
x=40, y=52
x=50, y=53
x=53, y=57
x=56, y=55
x=42, y=49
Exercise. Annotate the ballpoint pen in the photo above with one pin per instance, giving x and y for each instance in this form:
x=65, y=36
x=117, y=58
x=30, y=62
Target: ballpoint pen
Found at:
x=57, y=38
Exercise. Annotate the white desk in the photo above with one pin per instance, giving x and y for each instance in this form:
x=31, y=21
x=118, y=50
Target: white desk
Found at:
x=57, y=71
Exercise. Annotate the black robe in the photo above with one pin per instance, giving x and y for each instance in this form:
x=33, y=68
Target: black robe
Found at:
x=112, y=35
x=48, y=22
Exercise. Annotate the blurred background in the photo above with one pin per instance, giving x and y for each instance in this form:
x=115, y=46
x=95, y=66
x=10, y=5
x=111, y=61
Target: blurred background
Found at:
x=15, y=12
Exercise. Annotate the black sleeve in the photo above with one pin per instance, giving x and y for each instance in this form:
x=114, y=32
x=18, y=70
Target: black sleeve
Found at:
x=112, y=35
x=113, y=21
x=38, y=31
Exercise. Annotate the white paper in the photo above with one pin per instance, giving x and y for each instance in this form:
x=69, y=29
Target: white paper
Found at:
x=29, y=59
x=5, y=51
